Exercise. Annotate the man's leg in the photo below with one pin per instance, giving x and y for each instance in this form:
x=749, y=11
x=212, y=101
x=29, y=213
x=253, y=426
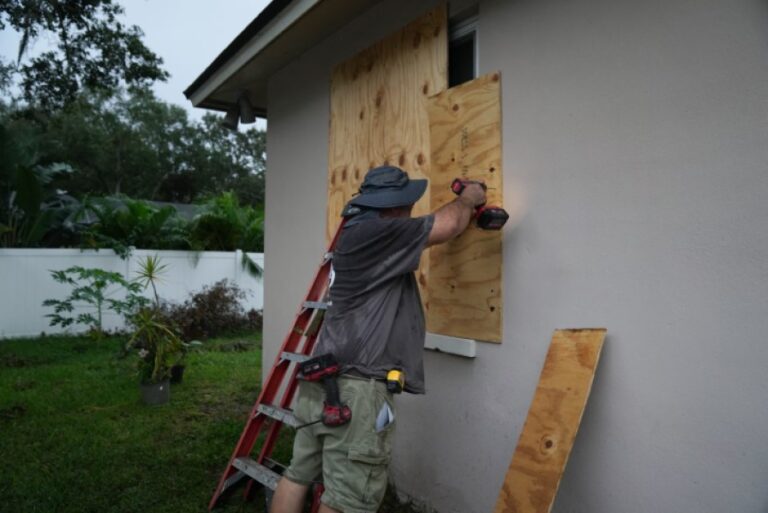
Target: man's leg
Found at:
x=289, y=497
x=327, y=509
x=307, y=462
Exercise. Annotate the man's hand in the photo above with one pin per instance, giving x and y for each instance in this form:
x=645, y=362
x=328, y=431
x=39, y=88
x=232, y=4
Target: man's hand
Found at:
x=474, y=192
x=452, y=219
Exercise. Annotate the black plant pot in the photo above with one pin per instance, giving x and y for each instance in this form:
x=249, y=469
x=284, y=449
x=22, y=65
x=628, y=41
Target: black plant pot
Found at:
x=177, y=374
x=156, y=393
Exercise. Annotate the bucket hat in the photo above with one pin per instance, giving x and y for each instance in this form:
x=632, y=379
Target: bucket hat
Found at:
x=388, y=187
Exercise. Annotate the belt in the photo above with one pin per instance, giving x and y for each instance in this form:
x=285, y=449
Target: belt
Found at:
x=356, y=374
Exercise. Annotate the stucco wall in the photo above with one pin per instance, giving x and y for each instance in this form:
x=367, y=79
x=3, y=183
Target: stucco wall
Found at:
x=636, y=169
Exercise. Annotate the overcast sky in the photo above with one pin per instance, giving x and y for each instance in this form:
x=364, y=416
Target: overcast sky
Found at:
x=187, y=34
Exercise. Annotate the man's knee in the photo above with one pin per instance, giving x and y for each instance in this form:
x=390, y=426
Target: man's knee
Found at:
x=289, y=497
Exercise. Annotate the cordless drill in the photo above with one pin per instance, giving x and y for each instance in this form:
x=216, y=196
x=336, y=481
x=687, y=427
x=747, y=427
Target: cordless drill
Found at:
x=487, y=217
x=325, y=368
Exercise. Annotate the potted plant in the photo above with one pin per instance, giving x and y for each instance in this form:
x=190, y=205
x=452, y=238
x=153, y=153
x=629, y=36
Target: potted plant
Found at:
x=157, y=346
x=177, y=369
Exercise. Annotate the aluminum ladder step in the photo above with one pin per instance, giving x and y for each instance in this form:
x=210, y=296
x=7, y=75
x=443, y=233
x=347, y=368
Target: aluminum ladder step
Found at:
x=293, y=357
x=315, y=305
x=257, y=472
x=279, y=414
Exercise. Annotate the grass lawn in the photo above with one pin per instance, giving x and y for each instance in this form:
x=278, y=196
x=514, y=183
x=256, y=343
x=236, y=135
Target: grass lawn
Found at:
x=74, y=436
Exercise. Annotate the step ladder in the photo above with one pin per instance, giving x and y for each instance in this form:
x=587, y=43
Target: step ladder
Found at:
x=272, y=409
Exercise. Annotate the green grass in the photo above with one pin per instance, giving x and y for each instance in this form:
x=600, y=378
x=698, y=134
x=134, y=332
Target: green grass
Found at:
x=75, y=437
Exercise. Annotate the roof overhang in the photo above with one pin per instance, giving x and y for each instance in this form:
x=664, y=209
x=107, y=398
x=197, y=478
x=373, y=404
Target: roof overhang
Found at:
x=284, y=30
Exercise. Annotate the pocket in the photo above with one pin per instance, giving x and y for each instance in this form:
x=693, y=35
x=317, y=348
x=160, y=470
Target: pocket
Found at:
x=369, y=455
x=306, y=405
x=367, y=477
x=384, y=400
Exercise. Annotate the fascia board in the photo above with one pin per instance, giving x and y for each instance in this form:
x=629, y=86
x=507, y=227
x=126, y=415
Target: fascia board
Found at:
x=264, y=38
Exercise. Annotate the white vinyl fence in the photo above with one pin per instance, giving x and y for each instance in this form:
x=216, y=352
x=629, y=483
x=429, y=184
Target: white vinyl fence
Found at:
x=25, y=281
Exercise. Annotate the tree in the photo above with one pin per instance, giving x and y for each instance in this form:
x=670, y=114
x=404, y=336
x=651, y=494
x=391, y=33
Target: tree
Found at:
x=220, y=160
x=132, y=143
x=121, y=143
x=94, y=50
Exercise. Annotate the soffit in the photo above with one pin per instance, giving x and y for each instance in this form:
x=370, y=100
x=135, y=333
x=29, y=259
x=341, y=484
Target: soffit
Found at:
x=289, y=33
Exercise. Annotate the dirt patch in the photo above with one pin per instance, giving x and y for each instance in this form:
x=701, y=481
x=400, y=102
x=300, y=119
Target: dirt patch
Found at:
x=24, y=384
x=238, y=346
x=223, y=408
x=13, y=412
x=13, y=361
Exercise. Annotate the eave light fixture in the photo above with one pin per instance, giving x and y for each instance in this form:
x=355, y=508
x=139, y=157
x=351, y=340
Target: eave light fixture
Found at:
x=247, y=114
x=242, y=112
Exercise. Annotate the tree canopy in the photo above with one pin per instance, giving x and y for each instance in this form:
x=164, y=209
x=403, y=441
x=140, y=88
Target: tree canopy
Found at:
x=94, y=50
x=85, y=126
x=135, y=144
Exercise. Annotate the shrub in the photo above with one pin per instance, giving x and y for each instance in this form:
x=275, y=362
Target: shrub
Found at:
x=121, y=222
x=216, y=310
x=225, y=225
x=92, y=291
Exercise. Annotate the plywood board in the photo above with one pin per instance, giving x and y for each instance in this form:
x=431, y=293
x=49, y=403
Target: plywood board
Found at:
x=553, y=420
x=378, y=112
x=465, y=291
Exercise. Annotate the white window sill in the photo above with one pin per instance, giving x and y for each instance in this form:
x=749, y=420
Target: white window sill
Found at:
x=452, y=345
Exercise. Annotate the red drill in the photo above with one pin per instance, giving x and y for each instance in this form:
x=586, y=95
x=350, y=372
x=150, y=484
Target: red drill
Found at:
x=324, y=368
x=487, y=217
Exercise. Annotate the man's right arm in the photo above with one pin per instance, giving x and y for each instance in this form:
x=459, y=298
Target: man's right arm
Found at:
x=453, y=218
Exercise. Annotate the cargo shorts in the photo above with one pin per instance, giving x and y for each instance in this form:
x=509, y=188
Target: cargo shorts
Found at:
x=351, y=459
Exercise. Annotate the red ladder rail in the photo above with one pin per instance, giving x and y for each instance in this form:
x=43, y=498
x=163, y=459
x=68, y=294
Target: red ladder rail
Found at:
x=310, y=315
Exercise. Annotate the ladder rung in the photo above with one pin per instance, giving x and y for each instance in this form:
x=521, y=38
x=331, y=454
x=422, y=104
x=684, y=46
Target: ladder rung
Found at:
x=317, y=305
x=293, y=357
x=279, y=414
x=233, y=480
x=257, y=472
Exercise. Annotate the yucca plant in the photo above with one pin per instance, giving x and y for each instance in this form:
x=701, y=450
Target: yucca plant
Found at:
x=150, y=273
x=157, y=344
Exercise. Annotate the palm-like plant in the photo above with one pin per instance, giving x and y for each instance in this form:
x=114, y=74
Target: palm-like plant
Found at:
x=226, y=226
x=30, y=208
x=157, y=344
x=150, y=273
x=122, y=222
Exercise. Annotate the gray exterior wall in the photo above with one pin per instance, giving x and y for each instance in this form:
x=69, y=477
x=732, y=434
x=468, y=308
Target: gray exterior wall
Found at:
x=636, y=169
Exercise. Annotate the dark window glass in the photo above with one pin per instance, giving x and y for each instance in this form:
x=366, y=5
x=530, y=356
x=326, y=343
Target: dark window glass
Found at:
x=461, y=60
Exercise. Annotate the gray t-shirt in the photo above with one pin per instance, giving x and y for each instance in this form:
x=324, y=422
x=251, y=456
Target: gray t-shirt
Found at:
x=375, y=322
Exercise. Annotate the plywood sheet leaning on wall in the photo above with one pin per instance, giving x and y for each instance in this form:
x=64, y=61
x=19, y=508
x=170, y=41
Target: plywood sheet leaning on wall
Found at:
x=465, y=274
x=378, y=111
x=553, y=420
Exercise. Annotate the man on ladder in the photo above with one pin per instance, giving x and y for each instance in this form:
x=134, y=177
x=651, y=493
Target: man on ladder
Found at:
x=374, y=325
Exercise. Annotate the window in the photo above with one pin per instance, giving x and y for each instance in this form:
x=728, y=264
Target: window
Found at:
x=462, y=49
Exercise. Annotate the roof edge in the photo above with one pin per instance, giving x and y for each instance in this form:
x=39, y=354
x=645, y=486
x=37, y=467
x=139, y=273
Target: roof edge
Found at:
x=270, y=12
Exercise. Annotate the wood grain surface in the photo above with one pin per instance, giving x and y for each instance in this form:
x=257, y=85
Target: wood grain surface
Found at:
x=553, y=420
x=465, y=274
x=378, y=112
